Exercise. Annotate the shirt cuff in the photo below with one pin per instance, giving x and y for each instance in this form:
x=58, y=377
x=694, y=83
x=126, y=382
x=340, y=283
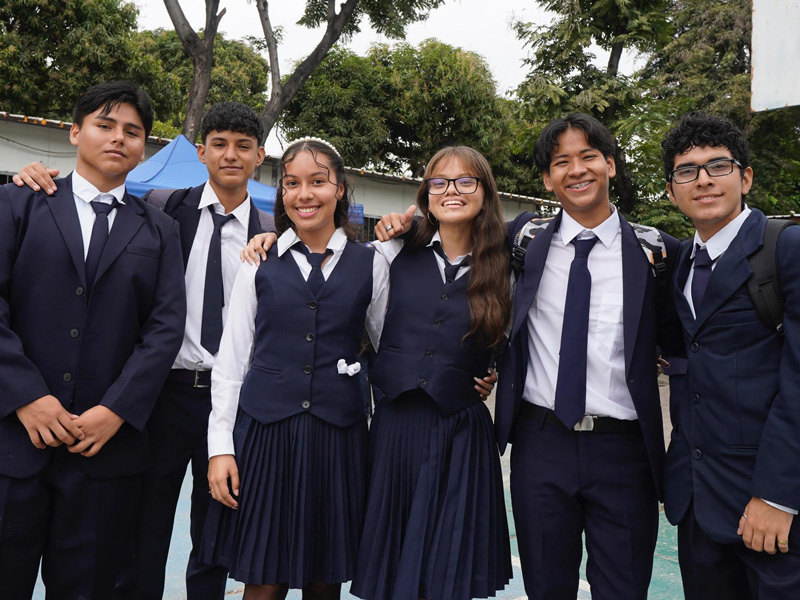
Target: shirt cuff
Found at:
x=220, y=442
x=785, y=509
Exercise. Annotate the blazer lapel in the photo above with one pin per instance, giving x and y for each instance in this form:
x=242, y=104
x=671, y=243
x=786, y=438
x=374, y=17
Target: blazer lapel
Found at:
x=683, y=266
x=635, y=274
x=62, y=205
x=188, y=217
x=531, y=274
x=254, y=224
x=127, y=222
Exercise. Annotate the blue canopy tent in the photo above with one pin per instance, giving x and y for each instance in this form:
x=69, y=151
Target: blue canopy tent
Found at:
x=177, y=166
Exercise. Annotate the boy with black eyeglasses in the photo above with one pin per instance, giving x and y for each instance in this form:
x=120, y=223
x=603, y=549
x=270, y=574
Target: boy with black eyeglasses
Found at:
x=732, y=481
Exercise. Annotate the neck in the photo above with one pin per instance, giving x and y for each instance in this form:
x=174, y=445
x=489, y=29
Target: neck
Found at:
x=231, y=199
x=456, y=239
x=102, y=181
x=317, y=240
x=592, y=218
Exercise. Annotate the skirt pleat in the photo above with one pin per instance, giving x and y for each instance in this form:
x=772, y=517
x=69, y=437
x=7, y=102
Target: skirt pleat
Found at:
x=301, y=503
x=436, y=524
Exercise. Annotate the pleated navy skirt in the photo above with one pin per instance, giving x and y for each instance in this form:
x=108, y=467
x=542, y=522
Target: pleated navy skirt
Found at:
x=301, y=503
x=436, y=524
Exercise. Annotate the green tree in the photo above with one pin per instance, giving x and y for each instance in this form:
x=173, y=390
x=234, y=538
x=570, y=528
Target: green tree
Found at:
x=563, y=76
x=394, y=108
x=52, y=51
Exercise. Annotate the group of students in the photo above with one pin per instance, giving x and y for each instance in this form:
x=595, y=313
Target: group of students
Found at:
x=268, y=409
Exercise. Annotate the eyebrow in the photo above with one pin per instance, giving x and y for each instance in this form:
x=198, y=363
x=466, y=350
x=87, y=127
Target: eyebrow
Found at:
x=695, y=164
x=114, y=121
x=219, y=138
x=314, y=174
x=564, y=154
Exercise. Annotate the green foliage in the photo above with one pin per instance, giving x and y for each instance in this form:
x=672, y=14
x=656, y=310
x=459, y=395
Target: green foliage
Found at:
x=394, y=108
x=239, y=74
x=51, y=51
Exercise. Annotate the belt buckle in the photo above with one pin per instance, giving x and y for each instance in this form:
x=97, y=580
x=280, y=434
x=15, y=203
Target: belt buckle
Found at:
x=585, y=424
x=197, y=383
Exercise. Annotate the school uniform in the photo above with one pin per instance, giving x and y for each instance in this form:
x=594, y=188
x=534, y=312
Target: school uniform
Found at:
x=178, y=427
x=287, y=362
x=605, y=483
x=436, y=525
x=106, y=340
x=736, y=428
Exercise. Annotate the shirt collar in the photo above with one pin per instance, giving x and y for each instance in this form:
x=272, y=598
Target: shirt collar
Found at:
x=718, y=243
x=86, y=191
x=437, y=238
x=605, y=232
x=241, y=212
x=289, y=238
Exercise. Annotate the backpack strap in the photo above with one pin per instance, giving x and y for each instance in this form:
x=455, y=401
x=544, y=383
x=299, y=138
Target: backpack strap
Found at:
x=158, y=197
x=266, y=220
x=655, y=250
x=523, y=237
x=763, y=285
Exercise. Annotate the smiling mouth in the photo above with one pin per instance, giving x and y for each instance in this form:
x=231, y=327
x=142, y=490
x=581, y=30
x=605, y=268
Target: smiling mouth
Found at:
x=450, y=203
x=707, y=197
x=579, y=186
x=307, y=210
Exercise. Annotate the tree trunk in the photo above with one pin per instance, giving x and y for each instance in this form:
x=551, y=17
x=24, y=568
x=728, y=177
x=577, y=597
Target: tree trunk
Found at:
x=198, y=92
x=626, y=194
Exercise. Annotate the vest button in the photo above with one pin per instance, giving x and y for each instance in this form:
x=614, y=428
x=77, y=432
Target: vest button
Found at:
x=423, y=381
x=695, y=347
x=696, y=454
x=79, y=291
x=73, y=333
x=696, y=398
x=67, y=377
x=312, y=305
x=445, y=296
x=429, y=353
x=307, y=369
x=305, y=404
x=309, y=337
x=437, y=322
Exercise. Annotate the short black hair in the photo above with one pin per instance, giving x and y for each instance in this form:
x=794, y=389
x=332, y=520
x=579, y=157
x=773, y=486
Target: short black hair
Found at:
x=111, y=94
x=232, y=116
x=597, y=134
x=701, y=129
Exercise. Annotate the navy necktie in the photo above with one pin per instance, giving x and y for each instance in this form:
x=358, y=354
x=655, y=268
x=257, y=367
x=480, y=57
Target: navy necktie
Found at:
x=701, y=275
x=99, y=238
x=315, y=279
x=214, y=292
x=450, y=271
x=571, y=383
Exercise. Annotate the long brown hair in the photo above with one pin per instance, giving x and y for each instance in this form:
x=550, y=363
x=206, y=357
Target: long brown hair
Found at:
x=488, y=290
x=336, y=175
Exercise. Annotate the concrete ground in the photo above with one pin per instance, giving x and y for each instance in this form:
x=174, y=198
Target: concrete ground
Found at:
x=666, y=583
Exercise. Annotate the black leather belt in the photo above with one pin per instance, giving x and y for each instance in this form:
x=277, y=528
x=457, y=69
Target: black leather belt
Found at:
x=588, y=423
x=197, y=378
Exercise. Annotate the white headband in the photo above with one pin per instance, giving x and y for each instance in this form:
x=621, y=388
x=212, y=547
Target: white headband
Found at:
x=319, y=141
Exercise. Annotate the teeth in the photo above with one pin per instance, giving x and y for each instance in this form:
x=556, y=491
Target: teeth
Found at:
x=308, y=209
x=579, y=186
x=453, y=203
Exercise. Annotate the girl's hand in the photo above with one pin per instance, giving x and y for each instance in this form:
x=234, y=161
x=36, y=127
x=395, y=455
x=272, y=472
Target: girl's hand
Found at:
x=257, y=248
x=485, y=386
x=394, y=224
x=36, y=176
x=221, y=470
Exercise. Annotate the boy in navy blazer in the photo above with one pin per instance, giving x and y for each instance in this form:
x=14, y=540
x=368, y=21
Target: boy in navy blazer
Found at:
x=733, y=464
x=232, y=149
x=92, y=310
x=578, y=398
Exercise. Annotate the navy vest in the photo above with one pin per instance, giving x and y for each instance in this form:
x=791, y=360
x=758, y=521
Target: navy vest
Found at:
x=300, y=338
x=421, y=344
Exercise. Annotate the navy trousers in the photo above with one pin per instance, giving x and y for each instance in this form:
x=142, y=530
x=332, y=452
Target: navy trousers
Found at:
x=731, y=571
x=565, y=484
x=80, y=529
x=177, y=430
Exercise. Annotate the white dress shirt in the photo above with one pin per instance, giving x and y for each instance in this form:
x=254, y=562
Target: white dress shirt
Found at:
x=84, y=194
x=192, y=355
x=716, y=246
x=238, y=337
x=392, y=248
x=606, y=390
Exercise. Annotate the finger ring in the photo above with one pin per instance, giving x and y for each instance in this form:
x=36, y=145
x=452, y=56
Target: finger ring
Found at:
x=209, y=490
x=744, y=515
x=389, y=228
x=783, y=542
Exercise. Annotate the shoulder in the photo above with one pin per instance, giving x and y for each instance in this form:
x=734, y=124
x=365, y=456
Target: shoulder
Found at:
x=151, y=214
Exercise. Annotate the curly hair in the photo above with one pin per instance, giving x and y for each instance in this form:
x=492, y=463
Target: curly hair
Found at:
x=232, y=116
x=488, y=290
x=326, y=159
x=701, y=129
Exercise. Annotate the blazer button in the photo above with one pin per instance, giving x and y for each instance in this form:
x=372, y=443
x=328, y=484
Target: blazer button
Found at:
x=445, y=296
x=312, y=305
x=694, y=347
x=305, y=404
x=67, y=377
x=437, y=322
x=696, y=454
x=696, y=398
x=79, y=291
x=429, y=353
x=423, y=381
x=309, y=337
x=307, y=369
x=73, y=333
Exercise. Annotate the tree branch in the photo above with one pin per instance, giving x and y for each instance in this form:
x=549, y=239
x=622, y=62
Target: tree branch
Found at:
x=272, y=47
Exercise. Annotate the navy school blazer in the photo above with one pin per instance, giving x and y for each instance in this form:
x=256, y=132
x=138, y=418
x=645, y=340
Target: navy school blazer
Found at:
x=113, y=348
x=648, y=318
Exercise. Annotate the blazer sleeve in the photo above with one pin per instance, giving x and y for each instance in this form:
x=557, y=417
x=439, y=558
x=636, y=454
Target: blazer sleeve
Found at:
x=20, y=379
x=133, y=394
x=777, y=473
x=669, y=332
